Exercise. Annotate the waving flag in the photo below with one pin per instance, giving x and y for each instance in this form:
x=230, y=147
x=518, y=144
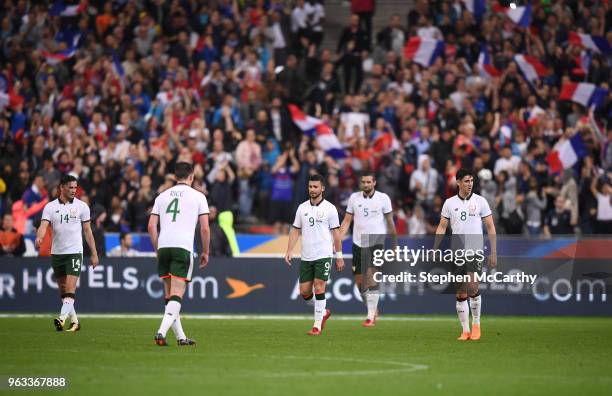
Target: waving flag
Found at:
x=583, y=62
x=531, y=68
x=584, y=93
x=520, y=15
x=58, y=57
x=484, y=63
x=314, y=127
x=476, y=7
x=9, y=99
x=423, y=51
x=60, y=9
x=598, y=44
x=566, y=153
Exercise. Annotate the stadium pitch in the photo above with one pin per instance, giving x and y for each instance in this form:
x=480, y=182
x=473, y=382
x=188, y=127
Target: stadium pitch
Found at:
x=273, y=356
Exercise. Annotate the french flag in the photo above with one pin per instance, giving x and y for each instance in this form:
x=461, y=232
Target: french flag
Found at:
x=596, y=43
x=314, y=127
x=60, y=9
x=520, y=15
x=58, y=57
x=476, y=7
x=584, y=93
x=423, y=51
x=531, y=68
x=566, y=154
x=484, y=63
x=9, y=100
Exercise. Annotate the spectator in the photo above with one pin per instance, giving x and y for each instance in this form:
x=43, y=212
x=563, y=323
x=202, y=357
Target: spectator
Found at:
x=604, y=206
x=424, y=181
x=219, y=244
x=11, y=241
x=558, y=220
x=534, y=205
x=283, y=172
x=124, y=249
x=248, y=158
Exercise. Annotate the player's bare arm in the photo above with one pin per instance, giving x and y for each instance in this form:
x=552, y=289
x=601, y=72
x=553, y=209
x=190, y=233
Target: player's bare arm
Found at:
x=294, y=234
x=205, y=236
x=488, y=221
x=346, y=223
x=40, y=233
x=440, y=231
x=91, y=242
x=338, y=249
x=152, y=229
x=391, y=229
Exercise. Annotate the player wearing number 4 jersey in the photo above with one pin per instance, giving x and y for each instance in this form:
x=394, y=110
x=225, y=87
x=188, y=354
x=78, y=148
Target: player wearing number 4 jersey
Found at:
x=316, y=220
x=177, y=211
x=69, y=218
x=466, y=212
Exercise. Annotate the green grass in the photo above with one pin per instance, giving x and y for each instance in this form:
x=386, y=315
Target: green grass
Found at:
x=526, y=356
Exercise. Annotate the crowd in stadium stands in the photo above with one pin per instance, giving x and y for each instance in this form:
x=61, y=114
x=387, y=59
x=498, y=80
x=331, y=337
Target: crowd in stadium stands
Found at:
x=117, y=92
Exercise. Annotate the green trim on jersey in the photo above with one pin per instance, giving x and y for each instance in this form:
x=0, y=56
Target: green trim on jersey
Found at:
x=317, y=269
x=67, y=264
x=175, y=262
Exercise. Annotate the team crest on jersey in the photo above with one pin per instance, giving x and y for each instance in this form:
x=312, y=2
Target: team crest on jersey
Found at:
x=73, y=213
x=319, y=215
x=472, y=210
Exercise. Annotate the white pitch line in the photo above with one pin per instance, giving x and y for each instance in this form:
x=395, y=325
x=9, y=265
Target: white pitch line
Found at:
x=231, y=317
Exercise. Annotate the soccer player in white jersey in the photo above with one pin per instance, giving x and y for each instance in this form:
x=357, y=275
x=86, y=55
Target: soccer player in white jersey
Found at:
x=68, y=217
x=177, y=211
x=373, y=216
x=316, y=220
x=466, y=212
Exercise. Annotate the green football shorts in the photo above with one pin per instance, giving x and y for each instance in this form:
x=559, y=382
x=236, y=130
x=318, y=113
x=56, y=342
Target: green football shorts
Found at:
x=319, y=269
x=175, y=262
x=66, y=264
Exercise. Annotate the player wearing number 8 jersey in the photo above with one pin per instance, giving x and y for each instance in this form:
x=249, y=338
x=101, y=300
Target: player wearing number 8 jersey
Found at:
x=466, y=212
x=69, y=217
x=177, y=211
x=316, y=220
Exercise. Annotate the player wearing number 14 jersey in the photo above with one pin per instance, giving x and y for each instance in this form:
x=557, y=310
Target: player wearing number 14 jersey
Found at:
x=177, y=211
x=68, y=217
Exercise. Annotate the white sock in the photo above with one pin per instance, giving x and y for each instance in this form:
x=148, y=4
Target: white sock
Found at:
x=463, y=312
x=177, y=328
x=67, y=307
x=372, y=298
x=319, y=312
x=173, y=308
x=475, y=304
x=310, y=301
x=73, y=315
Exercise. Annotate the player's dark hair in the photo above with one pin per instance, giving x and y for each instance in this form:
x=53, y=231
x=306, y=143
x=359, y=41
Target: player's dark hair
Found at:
x=316, y=177
x=122, y=235
x=182, y=170
x=367, y=173
x=67, y=179
x=463, y=172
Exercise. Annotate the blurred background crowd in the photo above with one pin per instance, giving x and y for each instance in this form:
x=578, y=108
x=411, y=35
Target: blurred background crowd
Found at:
x=116, y=92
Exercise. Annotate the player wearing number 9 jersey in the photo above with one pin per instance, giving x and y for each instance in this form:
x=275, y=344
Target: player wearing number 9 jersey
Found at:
x=177, y=211
x=316, y=220
x=69, y=217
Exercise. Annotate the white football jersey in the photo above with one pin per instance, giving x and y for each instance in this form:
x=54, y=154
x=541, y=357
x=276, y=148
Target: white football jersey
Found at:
x=368, y=216
x=179, y=209
x=315, y=223
x=465, y=215
x=66, y=219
